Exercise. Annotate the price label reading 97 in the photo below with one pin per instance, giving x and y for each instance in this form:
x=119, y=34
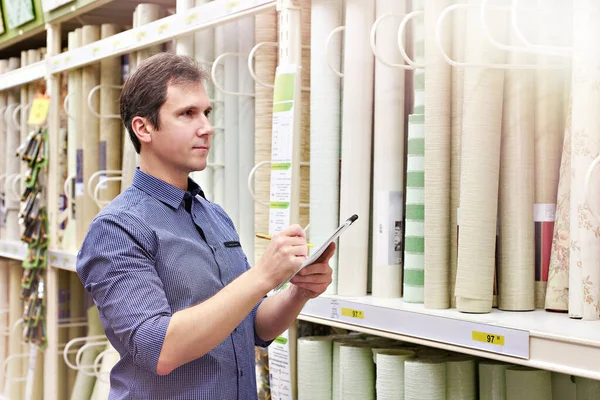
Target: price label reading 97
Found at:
x=490, y=338
x=349, y=312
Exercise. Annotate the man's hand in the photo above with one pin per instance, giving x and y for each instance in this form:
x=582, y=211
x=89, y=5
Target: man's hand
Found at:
x=283, y=256
x=313, y=280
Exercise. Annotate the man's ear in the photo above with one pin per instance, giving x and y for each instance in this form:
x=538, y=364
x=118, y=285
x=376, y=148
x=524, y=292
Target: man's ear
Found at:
x=143, y=129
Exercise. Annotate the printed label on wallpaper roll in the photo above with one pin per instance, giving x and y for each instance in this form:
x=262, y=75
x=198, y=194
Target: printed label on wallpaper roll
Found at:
x=389, y=227
x=102, y=158
x=79, y=186
x=544, y=212
x=282, y=150
x=279, y=368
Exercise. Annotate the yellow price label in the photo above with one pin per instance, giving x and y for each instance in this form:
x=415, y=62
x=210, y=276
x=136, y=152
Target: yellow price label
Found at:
x=140, y=35
x=349, y=312
x=490, y=338
x=231, y=5
x=162, y=28
x=39, y=110
x=191, y=17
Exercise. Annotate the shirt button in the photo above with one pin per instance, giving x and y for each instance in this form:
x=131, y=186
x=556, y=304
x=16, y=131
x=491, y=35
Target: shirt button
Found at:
x=241, y=373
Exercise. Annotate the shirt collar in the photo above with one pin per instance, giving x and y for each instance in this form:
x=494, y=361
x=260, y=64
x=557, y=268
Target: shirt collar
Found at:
x=163, y=191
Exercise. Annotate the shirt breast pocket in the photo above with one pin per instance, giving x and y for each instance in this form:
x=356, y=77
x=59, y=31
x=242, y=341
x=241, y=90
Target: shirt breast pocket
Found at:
x=235, y=256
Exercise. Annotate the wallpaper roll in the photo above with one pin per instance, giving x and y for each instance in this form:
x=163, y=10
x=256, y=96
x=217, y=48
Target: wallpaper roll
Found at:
x=77, y=310
x=325, y=94
x=75, y=152
x=91, y=125
x=458, y=52
x=305, y=144
x=461, y=378
x=265, y=30
x=425, y=379
x=84, y=384
x=563, y=387
x=229, y=33
x=337, y=367
x=480, y=162
x=13, y=166
x=516, y=193
x=204, y=52
x=185, y=44
x=438, y=102
x=110, y=128
x=102, y=386
x=388, y=159
x=587, y=388
x=14, y=389
x=557, y=292
x=23, y=129
x=549, y=130
x=146, y=13
x=315, y=357
x=4, y=306
x=390, y=382
x=357, y=377
x=3, y=156
x=492, y=380
x=584, y=291
x=524, y=383
x=218, y=153
x=245, y=162
x=355, y=181
x=418, y=36
x=414, y=242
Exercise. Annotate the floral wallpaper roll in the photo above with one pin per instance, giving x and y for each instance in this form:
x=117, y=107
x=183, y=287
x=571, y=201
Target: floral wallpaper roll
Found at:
x=557, y=293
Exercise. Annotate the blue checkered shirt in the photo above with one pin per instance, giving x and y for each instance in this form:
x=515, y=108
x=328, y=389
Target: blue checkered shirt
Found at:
x=146, y=257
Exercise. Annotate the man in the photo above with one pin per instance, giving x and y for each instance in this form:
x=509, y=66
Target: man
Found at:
x=165, y=267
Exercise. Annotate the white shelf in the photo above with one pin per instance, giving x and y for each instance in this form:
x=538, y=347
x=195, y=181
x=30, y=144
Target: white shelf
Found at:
x=538, y=339
x=18, y=251
x=13, y=250
x=210, y=14
x=23, y=75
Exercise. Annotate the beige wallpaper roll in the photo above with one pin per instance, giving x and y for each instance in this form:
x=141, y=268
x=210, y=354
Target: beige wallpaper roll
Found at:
x=265, y=30
x=516, y=194
x=14, y=370
x=438, y=117
x=3, y=152
x=265, y=64
x=480, y=163
x=110, y=128
x=4, y=289
x=90, y=125
x=458, y=52
x=528, y=383
x=13, y=166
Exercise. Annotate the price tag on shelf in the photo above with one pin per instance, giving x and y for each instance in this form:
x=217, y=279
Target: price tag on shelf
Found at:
x=352, y=313
x=39, y=110
x=485, y=337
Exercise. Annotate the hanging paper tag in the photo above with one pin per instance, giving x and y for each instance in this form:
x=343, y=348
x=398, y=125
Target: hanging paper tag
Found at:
x=39, y=110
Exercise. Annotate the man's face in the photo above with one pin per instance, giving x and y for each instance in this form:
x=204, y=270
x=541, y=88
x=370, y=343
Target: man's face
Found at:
x=185, y=132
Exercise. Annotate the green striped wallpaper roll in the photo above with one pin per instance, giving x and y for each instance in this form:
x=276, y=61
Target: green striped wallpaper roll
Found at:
x=414, y=242
x=418, y=24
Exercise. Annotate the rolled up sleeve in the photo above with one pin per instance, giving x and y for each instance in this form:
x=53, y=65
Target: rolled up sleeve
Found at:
x=116, y=266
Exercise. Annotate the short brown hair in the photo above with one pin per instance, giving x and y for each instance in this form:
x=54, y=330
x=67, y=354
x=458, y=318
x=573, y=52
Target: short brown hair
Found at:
x=145, y=91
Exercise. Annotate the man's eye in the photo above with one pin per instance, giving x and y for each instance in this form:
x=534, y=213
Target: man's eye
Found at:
x=207, y=113
x=188, y=113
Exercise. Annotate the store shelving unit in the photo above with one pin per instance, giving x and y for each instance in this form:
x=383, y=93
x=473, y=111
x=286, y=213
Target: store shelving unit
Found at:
x=538, y=339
